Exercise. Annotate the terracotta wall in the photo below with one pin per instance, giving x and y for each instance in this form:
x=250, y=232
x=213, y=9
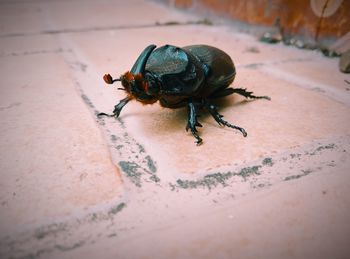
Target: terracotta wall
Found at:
x=317, y=19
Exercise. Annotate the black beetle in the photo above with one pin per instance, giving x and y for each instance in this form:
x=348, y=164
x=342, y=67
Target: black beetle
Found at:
x=191, y=76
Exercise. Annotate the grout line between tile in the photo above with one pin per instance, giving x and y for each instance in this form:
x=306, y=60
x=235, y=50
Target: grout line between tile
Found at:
x=306, y=83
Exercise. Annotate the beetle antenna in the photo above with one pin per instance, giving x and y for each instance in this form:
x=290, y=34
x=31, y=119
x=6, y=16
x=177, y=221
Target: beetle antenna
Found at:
x=120, y=88
x=109, y=79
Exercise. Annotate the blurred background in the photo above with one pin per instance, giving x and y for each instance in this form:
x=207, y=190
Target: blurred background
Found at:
x=309, y=24
x=319, y=21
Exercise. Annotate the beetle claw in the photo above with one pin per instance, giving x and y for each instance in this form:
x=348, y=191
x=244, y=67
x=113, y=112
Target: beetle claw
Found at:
x=192, y=122
x=194, y=131
x=265, y=97
x=104, y=114
x=248, y=94
x=117, y=108
x=218, y=117
x=199, y=141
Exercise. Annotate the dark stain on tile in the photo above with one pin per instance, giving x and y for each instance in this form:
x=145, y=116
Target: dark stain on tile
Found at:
x=112, y=235
x=324, y=147
x=35, y=52
x=295, y=155
x=209, y=181
x=293, y=177
x=10, y=106
x=141, y=148
x=254, y=65
x=49, y=230
x=119, y=147
x=267, y=161
x=65, y=248
x=151, y=164
x=131, y=171
x=154, y=178
x=87, y=100
x=249, y=171
x=113, y=138
x=116, y=209
x=217, y=179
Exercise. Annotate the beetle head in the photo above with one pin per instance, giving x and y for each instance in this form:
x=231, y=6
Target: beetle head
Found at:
x=137, y=83
x=138, y=87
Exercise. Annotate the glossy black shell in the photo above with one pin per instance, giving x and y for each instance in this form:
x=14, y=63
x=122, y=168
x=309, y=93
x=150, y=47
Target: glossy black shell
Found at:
x=196, y=71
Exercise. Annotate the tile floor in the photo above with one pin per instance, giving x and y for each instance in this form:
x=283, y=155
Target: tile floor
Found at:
x=75, y=186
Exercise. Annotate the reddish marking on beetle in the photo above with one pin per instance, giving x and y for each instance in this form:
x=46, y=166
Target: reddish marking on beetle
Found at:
x=128, y=76
x=138, y=77
x=141, y=83
x=145, y=86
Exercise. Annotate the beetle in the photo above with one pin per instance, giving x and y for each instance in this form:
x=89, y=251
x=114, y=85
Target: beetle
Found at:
x=191, y=76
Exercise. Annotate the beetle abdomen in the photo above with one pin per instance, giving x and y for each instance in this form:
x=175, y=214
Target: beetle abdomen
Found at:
x=219, y=68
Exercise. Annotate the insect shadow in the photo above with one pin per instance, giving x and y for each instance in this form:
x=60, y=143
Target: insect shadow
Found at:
x=168, y=122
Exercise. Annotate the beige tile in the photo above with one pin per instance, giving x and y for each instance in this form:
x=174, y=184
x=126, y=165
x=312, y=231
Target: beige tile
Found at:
x=21, y=18
x=319, y=74
x=289, y=120
x=73, y=186
x=53, y=158
x=117, y=50
x=295, y=219
x=271, y=126
x=108, y=14
x=29, y=45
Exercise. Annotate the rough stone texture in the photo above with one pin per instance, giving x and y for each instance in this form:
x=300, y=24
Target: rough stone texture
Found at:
x=74, y=186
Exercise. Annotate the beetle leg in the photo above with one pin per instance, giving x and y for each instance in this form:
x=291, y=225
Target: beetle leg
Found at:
x=247, y=94
x=117, y=108
x=192, y=122
x=218, y=117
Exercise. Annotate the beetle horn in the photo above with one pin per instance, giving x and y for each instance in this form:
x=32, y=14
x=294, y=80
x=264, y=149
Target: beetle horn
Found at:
x=140, y=64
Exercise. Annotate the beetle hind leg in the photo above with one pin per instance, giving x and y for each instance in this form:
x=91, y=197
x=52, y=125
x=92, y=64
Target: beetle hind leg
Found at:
x=247, y=94
x=219, y=119
x=192, y=122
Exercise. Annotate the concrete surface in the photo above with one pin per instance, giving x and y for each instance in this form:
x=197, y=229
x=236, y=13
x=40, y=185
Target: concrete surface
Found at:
x=74, y=186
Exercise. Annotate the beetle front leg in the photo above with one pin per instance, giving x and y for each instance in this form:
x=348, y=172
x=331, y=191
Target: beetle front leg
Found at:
x=218, y=117
x=247, y=94
x=117, y=108
x=192, y=122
